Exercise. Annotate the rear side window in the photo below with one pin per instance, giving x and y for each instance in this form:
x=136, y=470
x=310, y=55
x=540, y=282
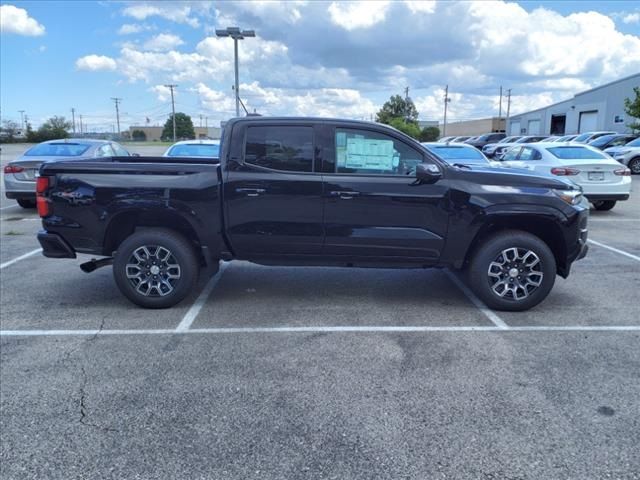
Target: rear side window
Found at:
x=58, y=150
x=528, y=153
x=368, y=152
x=288, y=148
x=575, y=153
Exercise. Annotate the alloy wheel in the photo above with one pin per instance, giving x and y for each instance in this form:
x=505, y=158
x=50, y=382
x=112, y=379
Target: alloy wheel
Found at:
x=515, y=273
x=153, y=271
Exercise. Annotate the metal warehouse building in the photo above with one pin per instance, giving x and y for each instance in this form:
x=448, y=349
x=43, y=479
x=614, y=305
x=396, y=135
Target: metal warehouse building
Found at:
x=601, y=108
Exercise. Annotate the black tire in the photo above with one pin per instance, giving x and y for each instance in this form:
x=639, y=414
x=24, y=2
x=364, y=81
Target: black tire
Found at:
x=519, y=292
x=24, y=203
x=148, y=286
x=634, y=166
x=604, y=205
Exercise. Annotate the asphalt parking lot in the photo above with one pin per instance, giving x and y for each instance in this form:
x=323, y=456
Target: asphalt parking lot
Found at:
x=273, y=372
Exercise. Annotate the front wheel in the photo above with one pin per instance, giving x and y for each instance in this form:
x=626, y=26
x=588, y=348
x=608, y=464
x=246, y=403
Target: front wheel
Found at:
x=604, y=205
x=513, y=271
x=634, y=165
x=155, y=268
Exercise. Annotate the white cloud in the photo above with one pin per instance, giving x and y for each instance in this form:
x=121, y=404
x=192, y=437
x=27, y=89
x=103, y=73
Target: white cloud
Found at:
x=421, y=6
x=357, y=14
x=131, y=28
x=185, y=12
x=163, y=93
x=95, y=63
x=17, y=20
x=163, y=42
x=631, y=18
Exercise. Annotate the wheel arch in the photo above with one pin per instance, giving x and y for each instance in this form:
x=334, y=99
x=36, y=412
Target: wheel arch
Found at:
x=544, y=228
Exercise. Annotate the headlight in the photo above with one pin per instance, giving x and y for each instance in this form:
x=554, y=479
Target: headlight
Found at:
x=572, y=197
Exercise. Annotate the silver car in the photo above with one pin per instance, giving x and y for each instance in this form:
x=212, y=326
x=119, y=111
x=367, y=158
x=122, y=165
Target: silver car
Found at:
x=628, y=154
x=194, y=148
x=20, y=174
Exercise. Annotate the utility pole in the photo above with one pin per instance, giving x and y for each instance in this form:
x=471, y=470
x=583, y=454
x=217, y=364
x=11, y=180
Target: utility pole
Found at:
x=236, y=34
x=173, y=108
x=506, y=122
x=406, y=103
x=200, y=120
x=22, y=119
x=446, y=101
x=73, y=117
x=80, y=124
x=206, y=122
x=117, y=101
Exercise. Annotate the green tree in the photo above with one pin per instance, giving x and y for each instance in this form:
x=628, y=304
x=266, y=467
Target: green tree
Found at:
x=429, y=134
x=184, y=127
x=54, y=128
x=140, y=136
x=8, y=131
x=632, y=108
x=397, y=107
x=410, y=128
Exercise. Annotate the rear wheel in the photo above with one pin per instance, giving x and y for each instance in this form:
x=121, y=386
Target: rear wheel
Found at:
x=634, y=165
x=155, y=268
x=512, y=270
x=24, y=203
x=604, y=205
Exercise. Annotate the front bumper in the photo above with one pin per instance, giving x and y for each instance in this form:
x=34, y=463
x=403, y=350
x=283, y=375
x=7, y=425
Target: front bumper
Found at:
x=54, y=246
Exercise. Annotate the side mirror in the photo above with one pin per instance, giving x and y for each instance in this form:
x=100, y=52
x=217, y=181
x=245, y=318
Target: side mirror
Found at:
x=428, y=173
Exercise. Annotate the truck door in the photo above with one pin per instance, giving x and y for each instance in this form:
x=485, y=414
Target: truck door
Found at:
x=273, y=191
x=373, y=205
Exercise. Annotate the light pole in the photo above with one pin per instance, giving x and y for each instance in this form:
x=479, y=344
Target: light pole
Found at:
x=446, y=101
x=236, y=34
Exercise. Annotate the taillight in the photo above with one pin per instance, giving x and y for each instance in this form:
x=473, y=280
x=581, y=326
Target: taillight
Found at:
x=42, y=184
x=13, y=169
x=563, y=171
x=622, y=172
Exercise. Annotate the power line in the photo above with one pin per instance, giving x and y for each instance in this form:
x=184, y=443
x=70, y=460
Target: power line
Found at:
x=117, y=101
x=173, y=108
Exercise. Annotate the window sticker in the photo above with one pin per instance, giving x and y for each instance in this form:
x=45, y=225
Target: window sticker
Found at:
x=368, y=154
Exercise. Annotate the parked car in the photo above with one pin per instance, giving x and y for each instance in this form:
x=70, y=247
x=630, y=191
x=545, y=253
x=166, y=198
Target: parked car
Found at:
x=586, y=137
x=461, y=139
x=490, y=148
x=446, y=139
x=500, y=150
x=616, y=140
x=565, y=138
x=603, y=180
x=20, y=174
x=308, y=191
x=483, y=140
x=460, y=154
x=628, y=155
x=194, y=148
x=552, y=138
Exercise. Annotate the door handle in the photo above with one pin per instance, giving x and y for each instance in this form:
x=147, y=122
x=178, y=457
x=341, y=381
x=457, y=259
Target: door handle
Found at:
x=251, y=192
x=344, y=195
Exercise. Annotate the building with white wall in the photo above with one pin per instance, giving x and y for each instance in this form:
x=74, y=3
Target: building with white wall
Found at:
x=601, y=108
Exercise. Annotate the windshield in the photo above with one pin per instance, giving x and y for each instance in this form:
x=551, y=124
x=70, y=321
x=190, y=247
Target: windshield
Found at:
x=575, y=153
x=602, y=140
x=633, y=143
x=454, y=154
x=195, y=150
x=582, y=138
x=509, y=139
x=58, y=150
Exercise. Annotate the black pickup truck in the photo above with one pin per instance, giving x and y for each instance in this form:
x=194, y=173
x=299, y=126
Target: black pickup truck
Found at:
x=309, y=191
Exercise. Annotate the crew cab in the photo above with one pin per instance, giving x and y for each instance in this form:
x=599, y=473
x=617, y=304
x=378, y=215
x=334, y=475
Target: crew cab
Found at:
x=312, y=191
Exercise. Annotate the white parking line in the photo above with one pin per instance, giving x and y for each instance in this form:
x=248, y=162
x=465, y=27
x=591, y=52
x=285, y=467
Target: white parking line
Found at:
x=321, y=329
x=21, y=257
x=193, y=312
x=621, y=252
x=9, y=206
x=487, y=312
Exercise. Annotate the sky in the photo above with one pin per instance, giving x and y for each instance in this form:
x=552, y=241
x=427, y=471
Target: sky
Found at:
x=342, y=59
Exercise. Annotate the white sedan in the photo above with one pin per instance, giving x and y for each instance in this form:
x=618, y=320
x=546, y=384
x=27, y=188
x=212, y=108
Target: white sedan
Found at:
x=195, y=148
x=603, y=180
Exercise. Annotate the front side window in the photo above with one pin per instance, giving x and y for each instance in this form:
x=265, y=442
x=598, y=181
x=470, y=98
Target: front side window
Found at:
x=288, y=148
x=104, y=151
x=511, y=154
x=528, y=153
x=120, y=151
x=367, y=152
